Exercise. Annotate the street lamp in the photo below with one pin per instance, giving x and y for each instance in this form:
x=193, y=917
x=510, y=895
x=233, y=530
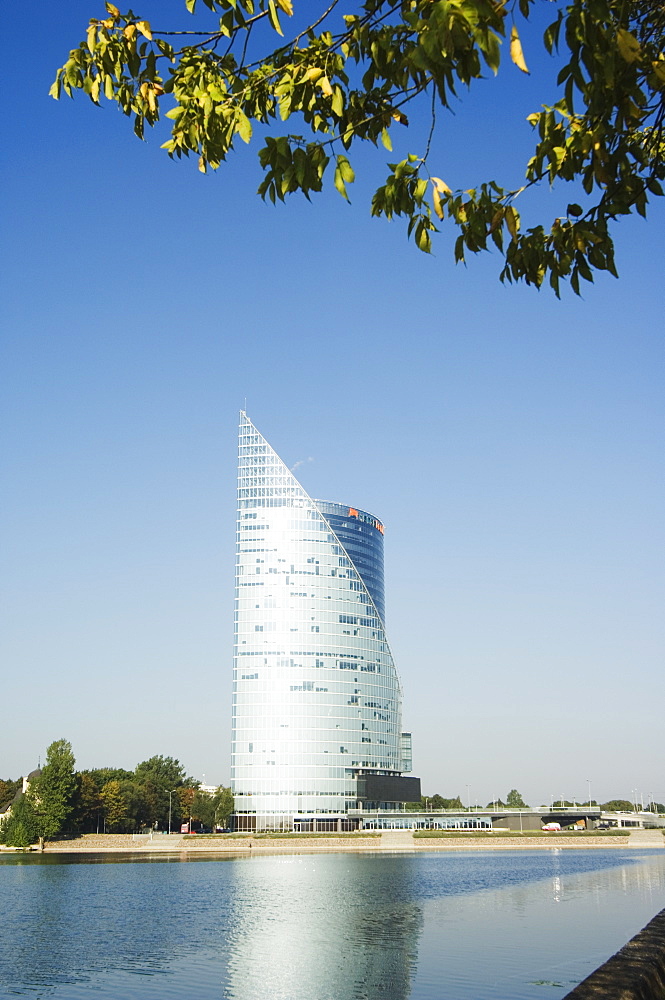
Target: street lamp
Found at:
x=588, y=781
x=468, y=798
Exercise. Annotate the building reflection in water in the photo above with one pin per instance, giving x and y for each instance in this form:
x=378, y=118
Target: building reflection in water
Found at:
x=308, y=928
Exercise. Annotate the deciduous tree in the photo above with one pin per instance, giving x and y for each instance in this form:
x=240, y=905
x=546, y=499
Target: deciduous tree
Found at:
x=87, y=803
x=8, y=790
x=114, y=806
x=22, y=827
x=317, y=79
x=618, y=805
x=154, y=779
x=53, y=791
x=514, y=800
x=224, y=806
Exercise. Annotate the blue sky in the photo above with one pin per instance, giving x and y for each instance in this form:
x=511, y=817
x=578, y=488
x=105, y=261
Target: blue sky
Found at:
x=512, y=444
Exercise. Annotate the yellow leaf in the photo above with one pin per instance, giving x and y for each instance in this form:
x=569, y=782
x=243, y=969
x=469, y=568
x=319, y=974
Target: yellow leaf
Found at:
x=440, y=186
x=324, y=84
x=113, y=10
x=274, y=18
x=628, y=45
x=436, y=201
x=516, y=53
x=286, y=6
x=512, y=221
x=144, y=28
x=313, y=74
x=400, y=117
x=92, y=37
x=129, y=32
x=202, y=165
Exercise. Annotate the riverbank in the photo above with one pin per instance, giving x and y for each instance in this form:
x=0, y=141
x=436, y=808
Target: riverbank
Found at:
x=388, y=841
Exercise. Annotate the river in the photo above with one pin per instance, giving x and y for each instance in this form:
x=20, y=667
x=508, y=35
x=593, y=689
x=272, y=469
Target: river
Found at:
x=465, y=926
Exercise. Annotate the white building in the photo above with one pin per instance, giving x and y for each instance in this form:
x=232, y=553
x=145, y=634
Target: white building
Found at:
x=316, y=696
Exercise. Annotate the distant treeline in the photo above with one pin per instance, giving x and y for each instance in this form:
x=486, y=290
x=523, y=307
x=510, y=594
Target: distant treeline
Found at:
x=156, y=794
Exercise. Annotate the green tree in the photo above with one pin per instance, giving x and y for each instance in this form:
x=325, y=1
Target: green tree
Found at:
x=100, y=775
x=21, y=828
x=202, y=808
x=224, y=806
x=618, y=805
x=154, y=779
x=185, y=801
x=346, y=76
x=514, y=800
x=8, y=790
x=53, y=791
x=436, y=801
x=114, y=805
x=164, y=771
x=86, y=805
x=210, y=810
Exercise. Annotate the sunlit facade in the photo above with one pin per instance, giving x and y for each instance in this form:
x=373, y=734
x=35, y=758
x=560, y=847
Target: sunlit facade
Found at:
x=316, y=696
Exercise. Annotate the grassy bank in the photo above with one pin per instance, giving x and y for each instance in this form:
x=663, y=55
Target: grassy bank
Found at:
x=281, y=836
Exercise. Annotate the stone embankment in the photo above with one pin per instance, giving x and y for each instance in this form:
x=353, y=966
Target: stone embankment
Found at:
x=389, y=840
x=637, y=972
x=520, y=842
x=92, y=843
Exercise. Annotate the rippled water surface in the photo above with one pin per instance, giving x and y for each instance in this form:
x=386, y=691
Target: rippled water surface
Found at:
x=481, y=926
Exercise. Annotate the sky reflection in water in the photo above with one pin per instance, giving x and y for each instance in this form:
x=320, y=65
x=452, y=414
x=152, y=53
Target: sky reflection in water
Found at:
x=327, y=927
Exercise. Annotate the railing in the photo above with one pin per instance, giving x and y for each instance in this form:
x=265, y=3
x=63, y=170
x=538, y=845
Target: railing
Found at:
x=473, y=811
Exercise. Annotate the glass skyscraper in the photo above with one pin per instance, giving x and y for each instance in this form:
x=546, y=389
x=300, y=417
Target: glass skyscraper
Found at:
x=316, y=696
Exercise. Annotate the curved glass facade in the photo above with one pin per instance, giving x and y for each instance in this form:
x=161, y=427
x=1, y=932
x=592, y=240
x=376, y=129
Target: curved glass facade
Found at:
x=361, y=534
x=316, y=696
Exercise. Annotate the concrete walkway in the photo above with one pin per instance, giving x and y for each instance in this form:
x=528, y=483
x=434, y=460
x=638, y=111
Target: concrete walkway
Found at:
x=397, y=840
x=646, y=838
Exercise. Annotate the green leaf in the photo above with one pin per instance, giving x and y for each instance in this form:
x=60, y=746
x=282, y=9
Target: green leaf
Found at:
x=337, y=103
x=628, y=45
x=343, y=175
x=243, y=127
x=386, y=140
